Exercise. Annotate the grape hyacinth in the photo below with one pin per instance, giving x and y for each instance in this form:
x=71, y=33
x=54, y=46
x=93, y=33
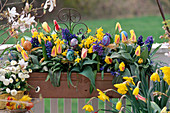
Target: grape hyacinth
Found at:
x=98, y=48
x=34, y=42
x=67, y=35
x=115, y=73
x=149, y=42
x=48, y=48
x=140, y=40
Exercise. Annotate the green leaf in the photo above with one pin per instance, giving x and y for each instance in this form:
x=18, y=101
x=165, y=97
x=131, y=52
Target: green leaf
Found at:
x=87, y=72
x=36, y=67
x=34, y=59
x=74, y=69
x=57, y=75
x=4, y=52
x=45, y=63
x=94, y=56
x=127, y=56
x=155, y=107
x=153, y=53
x=144, y=54
x=127, y=72
x=89, y=62
x=122, y=51
x=48, y=77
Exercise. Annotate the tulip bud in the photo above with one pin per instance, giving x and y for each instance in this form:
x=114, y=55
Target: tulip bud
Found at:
x=53, y=51
x=84, y=53
x=133, y=36
x=137, y=51
x=19, y=49
x=108, y=60
x=22, y=41
x=57, y=27
x=46, y=27
x=122, y=66
x=59, y=48
x=24, y=55
x=124, y=36
x=118, y=26
x=117, y=39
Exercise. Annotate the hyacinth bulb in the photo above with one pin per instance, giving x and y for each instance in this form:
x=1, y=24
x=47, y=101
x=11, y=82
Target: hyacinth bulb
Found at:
x=27, y=45
x=106, y=40
x=74, y=43
x=125, y=33
x=12, y=56
x=70, y=55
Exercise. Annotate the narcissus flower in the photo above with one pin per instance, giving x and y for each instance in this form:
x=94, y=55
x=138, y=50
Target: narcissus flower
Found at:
x=117, y=39
x=84, y=53
x=108, y=60
x=24, y=55
x=129, y=80
x=88, y=108
x=54, y=51
x=140, y=61
x=155, y=77
x=88, y=30
x=122, y=66
x=78, y=60
x=166, y=71
x=137, y=51
x=102, y=96
x=136, y=90
x=46, y=27
x=19, y=48
x=118, y=26
x=122, y=89
x=133, y=36
x=118, y=105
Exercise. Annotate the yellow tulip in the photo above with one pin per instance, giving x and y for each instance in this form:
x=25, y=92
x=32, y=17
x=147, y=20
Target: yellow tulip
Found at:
x=53, y=52
x=108, y=60
x=122, y=66
x=19, y=48
x=124, y=40
x=24, y=55
x=118, y=26
x=117, y=39
x=140, y=61
x=133, y=36
x=22, y=41
x=46, y=27
x=137, y=51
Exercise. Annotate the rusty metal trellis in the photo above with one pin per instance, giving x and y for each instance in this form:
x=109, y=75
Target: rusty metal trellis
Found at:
x=70, y=17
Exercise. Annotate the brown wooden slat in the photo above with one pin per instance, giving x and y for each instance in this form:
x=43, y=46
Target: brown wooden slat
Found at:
x=67, y=105
x=81, y=103
x=54, y=105
x=107, y=106
x=81, y=91
x=95, y=104
x=39, y=107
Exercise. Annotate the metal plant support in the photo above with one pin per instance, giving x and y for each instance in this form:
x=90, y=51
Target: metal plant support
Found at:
x=71, y=18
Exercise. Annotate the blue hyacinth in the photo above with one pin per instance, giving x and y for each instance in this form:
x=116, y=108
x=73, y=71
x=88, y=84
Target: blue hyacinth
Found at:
x=67, y=35
x=149, y=42
x=34, y=42
x=140, y=41
x=48, y=48
x=98, y=49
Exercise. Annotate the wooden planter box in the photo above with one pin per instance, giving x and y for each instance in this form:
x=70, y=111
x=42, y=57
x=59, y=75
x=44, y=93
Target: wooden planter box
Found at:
x=82, y=83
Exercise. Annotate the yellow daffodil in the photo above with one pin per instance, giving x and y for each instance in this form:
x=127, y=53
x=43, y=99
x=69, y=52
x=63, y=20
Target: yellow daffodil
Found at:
x=118, y=105
x=137, y=51
x=117, y=39
x=118, y=26
x=88, y=108
x=122, y=66
x=64, y=53
x=88, y=30
x=49, y=38
x=129, y=80
x=35, y=34
x=90, y=50
x=166, y=71
x=108, y=60
x=54, y=36
x=155, y=77
x=26, y=98
x=133, y=36
x=102, y=96
x=140, y=61
x=136, y=90
x=164, y=110
x=77, y=59
x=122, y=89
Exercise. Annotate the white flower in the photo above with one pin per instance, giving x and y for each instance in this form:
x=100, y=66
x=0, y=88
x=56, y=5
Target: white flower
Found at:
x=30, y=70
x=167, y=54
x=20, y=75
x=51, y=3
x=13, y=92
x=6, y=82
x=23, y=64
x=13, y=62
x=18, y=68
x=26, y=76
x=11, y=80
x=14, y=76
x=2, y=78
x=2, y=71
x=22, y=79
x=8, y=90
x=37, y=89
x=12, y=13
x=24, y=71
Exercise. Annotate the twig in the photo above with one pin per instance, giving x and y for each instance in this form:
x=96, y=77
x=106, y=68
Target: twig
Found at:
x=3, y=5
x=14, y=3
x=162, y=14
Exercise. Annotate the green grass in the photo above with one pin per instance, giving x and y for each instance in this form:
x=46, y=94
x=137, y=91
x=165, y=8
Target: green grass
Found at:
x=145, y=26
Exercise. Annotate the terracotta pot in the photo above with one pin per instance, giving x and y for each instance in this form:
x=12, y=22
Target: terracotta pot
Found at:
x=81, y=91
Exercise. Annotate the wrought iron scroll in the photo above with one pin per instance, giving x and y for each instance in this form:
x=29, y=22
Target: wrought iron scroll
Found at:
x=70, y=17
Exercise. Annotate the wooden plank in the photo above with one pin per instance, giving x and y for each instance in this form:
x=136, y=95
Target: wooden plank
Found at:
x=124, y=104
x=81, y=103
x=67, y=105
x=54, y=105
x=81, y=91
x=39, y=107
x=95, y=104
x=107, y=106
